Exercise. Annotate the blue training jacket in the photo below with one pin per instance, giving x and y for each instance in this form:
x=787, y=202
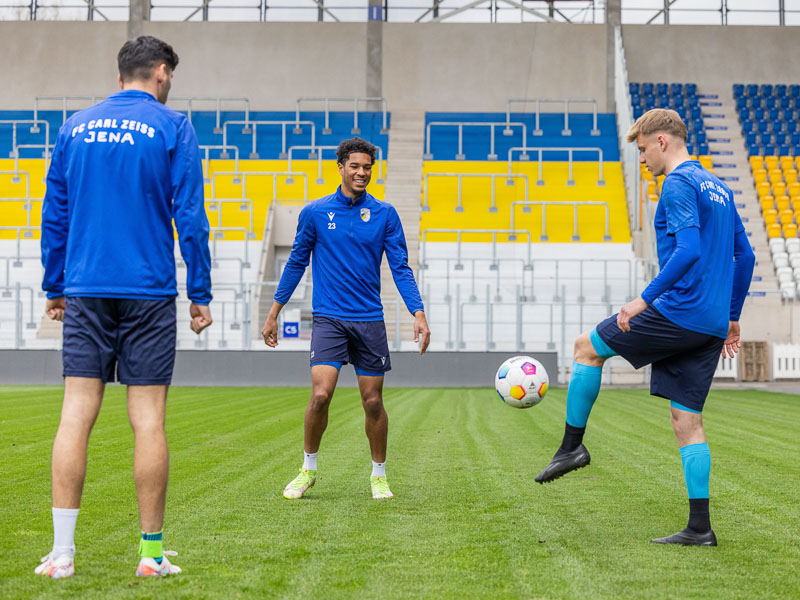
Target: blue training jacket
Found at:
x=122, y=170
x=348, y=238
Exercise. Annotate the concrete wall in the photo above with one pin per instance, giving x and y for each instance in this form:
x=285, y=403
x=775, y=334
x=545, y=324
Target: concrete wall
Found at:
x=712, y=55
x=231, y=368
x=459, y=67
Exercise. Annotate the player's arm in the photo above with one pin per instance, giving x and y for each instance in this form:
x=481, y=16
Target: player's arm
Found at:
x=303, y=244
x=189, y=214
x=397, y=257
x=744, y=260
x=682, y=222
x=55, y=229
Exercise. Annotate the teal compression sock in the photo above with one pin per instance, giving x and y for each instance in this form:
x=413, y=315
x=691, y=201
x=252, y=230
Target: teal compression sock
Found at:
x=696, y=459
x=584, y=385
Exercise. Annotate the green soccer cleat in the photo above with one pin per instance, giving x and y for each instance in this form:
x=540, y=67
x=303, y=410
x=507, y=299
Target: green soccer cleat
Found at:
x=300, y=484
x=380, y=488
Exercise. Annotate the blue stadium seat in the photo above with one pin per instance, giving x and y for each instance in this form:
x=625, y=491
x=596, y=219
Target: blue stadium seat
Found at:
x=774, y=114
x=647, y=89
x=748, y=125
x=780, y=89
x=784, y=150
x=752, y=90
x=759, y=114
x=770, y=101
x=649, y=102
x=785, y=102
x=750, y=138
x=691, y=89
x=692, y=100
x=702, y=148
x=763, y=138
x=634, y=88
x=701, y=137
x=766, y=89
x=741, y=102
x=738, y=90
x=794, y=90
x=763, y=125
x=690, y=147
x=676, y=89
x=661, y=89
x=795, y=137
x=662, y=100
x=754, y=150
x=637, y=112
x=769, y=150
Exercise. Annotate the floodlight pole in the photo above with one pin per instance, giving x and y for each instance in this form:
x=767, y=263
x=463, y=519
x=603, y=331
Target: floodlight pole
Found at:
x=139, y=13
x=613, y=20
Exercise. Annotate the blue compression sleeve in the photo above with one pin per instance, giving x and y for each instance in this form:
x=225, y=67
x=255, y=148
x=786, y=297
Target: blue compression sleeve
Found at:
x=686, y=253
x=744, y=260
x=584, y=385
x=696, y=459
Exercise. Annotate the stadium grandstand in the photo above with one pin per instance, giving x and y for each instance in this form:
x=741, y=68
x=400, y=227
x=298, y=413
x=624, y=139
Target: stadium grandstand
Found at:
x=500, y=128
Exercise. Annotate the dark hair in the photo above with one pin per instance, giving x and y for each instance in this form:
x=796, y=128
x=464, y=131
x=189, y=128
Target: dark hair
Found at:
x=137, y=58
x=354, y=146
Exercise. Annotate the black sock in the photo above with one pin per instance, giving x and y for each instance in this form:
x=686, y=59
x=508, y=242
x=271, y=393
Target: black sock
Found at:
x=573, y=436
x=699, y=519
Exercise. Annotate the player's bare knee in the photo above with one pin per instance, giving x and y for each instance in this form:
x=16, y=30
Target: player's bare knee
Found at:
x=584, y=352
x=320, y=399
x=373, y=404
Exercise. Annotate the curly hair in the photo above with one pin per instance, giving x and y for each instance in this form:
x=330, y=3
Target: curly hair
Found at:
x=354, y=146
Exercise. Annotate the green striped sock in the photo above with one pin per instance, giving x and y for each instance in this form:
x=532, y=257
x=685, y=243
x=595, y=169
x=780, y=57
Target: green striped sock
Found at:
x=152, y=545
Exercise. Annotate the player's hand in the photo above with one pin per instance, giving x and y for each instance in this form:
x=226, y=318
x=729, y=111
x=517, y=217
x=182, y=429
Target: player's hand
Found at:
x=270, y=332
x=201, y=317
x=627, y=312
x=731, y=345
x=55, y=308
x=421, y=331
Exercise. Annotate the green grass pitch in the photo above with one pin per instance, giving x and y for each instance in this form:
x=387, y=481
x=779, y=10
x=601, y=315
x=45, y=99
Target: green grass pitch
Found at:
x=467, y=520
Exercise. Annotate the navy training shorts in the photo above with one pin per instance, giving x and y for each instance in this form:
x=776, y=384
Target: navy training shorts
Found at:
x=124, y=339
x=363, y=343
x=684, y=361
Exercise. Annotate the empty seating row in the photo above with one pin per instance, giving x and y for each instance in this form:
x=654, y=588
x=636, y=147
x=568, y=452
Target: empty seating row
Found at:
x=769, y=118
x=786, y=260
x=754, y=90
x=681, y=98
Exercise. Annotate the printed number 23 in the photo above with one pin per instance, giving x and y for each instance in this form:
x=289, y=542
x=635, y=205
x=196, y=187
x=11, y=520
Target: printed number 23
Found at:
x=331, y=225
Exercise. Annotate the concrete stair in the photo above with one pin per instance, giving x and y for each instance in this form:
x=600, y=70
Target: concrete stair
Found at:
x=404, y=192
x=731, y=164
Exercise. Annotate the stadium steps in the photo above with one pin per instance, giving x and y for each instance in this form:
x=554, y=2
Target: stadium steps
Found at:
x=731, y=164
x=403, y=190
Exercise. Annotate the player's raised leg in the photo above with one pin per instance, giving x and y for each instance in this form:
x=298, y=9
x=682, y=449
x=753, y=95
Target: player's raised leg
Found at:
x=147, y=412
x=82, y=399
x=323, y=384
x=589, y=355
x=696, y=458
x=376, y=425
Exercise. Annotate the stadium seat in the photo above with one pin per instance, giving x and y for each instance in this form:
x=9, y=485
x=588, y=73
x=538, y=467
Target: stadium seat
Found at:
x=780, y=89
x=706, y=161
x=738, y=90
x=794, y=90
x=774, y=231
x=790, y=230
x=777, y=245
x=759, y=175
x=782, y=203
x=792, y=245
x=770, y=162
x=778, y=189
x=775, y=175
x=790, y=177
x=756, y=162
x=770, y=216
x=766, y=203
x=763, y=189
x=786, y=217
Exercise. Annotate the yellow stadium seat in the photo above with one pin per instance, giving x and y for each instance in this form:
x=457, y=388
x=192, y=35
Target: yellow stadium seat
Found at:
x=763, y=189
x=782, y=202
x=793, y=189
x=760, y=175
x=770, y=216
x=790, y=176
x=790, y=230
x=767, y=202
x=756, y=162
x=771, y=162
x=651, y=187
x=786, y=216
x=652, y=197
x=778, y=189
x=775, y=175
x=786, y=162
x=706, y=161
x=773, y=231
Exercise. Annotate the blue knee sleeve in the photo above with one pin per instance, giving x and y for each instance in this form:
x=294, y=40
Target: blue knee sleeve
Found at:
x=680, y=406
x=696, y=459
x=603, y=350
x=584, y=385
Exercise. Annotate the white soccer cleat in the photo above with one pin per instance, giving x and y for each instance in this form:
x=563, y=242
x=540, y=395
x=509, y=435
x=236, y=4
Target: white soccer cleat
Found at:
x=148, y=567
x=59, y=567
x=380, y=488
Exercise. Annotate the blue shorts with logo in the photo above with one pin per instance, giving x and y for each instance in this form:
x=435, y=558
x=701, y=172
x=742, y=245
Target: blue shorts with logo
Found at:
x=684, y=361
x=123, y=339
x=335, y=342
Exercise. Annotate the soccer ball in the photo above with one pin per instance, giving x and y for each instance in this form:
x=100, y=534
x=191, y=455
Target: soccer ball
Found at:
x=521, y=382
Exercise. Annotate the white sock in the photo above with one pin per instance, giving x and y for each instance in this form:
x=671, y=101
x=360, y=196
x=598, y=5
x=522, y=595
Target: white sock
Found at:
x=310, y=461
x=64, y=520
x=378, y=469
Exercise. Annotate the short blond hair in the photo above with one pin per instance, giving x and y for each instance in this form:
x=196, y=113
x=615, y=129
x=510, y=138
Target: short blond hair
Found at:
x=658, y=120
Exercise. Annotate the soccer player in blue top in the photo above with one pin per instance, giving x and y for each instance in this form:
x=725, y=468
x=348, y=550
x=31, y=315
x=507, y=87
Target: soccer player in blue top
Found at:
x=121, y=172
x=681, y=322
x=348, y=233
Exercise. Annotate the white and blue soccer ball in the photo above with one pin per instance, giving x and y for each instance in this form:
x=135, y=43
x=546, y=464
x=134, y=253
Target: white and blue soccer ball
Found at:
x=521, y=382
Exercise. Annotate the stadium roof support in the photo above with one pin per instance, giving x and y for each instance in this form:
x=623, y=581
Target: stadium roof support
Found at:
x=469, y=5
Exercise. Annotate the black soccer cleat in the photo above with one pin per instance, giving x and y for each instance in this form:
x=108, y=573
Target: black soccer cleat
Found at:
x=689, y=537
x=564, y=463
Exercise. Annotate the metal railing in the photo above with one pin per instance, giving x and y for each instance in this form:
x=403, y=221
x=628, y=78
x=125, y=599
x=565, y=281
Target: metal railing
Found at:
x=34, y=123
x=493, y=176
x=245, y=204
x=27, y=207
x=250, y=127
x=565, y=101
x=206, y=149
x=459, y=233
x=355, y=100
x=316, y=151
x=569, y=150
x=241, y=177
x=575, y=204
x=64, y=100
x=218, y=100
x=507, y=131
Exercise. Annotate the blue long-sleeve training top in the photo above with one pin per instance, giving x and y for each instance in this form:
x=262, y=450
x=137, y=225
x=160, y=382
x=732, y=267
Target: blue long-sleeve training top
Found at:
x=348, y=238
x=122, y=170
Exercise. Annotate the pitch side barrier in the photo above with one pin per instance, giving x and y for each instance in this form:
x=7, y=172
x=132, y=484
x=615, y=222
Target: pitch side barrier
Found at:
x=460, y=176
x=565, y=101
x=251, y=127
x=355, y=100
x=570, y=154
x=14, y=295
x=317, y=152
x=218, y=100
x=64, y=101
x=245, y=205
x=206, y=149
x=461, y=124
x=575, y=204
